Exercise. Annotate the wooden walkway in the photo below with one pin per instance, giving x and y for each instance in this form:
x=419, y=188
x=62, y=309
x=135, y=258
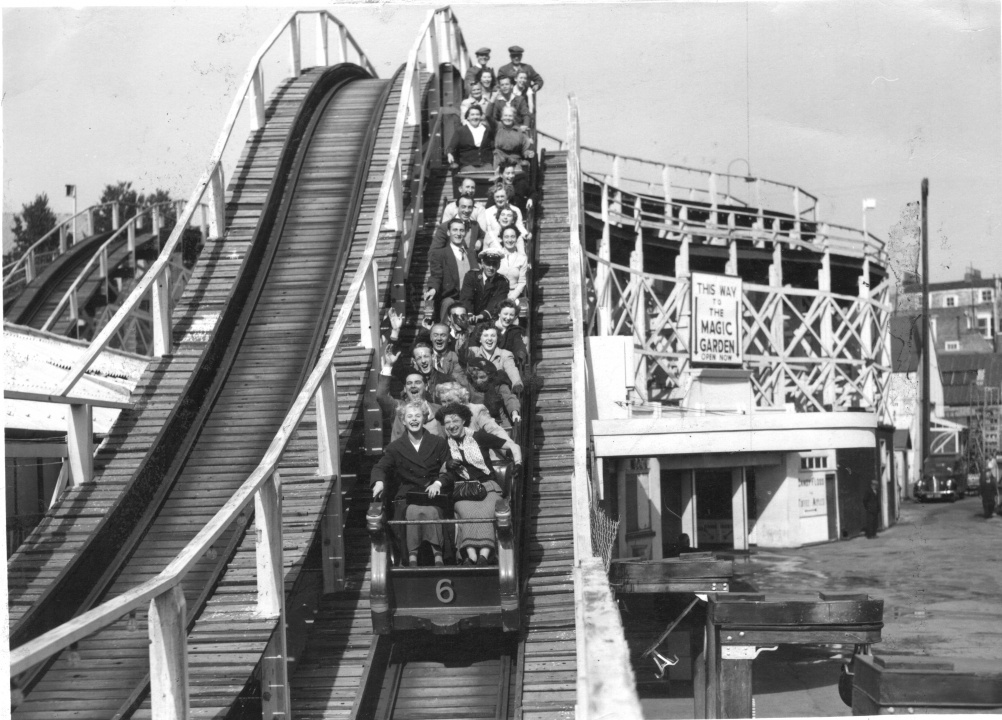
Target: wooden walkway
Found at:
x=49, y=559
x=546, y=663
x=280, y=323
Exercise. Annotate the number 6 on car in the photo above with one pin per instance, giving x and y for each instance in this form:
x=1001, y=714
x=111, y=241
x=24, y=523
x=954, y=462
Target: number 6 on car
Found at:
x=444, y=591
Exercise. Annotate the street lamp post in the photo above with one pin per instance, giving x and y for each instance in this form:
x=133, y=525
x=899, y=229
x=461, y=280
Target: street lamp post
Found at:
x=71, y=191
x=868, y=204
x=748, y=177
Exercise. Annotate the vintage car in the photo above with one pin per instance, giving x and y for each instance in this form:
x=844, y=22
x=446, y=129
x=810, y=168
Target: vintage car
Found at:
x=943, y=478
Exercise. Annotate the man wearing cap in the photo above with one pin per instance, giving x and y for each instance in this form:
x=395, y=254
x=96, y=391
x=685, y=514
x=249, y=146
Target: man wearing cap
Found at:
x=447, y=267
x=473, y=71
x=484, y=288
x=516, y=65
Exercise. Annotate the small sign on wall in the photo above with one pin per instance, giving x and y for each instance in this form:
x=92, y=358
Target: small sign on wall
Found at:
x=812, y=497
x=716, y=323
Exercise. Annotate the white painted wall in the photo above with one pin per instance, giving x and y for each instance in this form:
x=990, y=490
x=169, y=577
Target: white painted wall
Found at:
x=778, y=523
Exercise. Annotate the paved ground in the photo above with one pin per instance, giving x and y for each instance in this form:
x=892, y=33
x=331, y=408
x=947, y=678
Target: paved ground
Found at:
x=939, y=572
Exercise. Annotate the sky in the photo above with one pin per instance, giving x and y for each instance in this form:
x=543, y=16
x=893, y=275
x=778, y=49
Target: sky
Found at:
x=848, y=100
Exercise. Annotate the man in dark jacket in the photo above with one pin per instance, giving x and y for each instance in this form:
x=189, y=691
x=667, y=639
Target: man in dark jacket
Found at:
x=516, y=65
x=871, y=506
x=485, y=288
x=472, y=234
x=447, y=268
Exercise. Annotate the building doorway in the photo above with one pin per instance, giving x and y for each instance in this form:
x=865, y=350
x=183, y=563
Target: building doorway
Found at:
x=714, y=510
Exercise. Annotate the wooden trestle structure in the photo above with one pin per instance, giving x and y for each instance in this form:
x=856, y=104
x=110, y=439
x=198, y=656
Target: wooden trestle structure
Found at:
x=247, y=330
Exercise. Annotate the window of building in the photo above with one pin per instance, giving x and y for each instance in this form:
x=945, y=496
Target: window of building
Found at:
x=950, y=301
x=985, y=326
x=986, y=296
x=813, y=462
x=952, y=345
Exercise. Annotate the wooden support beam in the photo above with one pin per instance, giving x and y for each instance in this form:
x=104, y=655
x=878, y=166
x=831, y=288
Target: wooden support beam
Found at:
x=734, y=687
x=64, y=241
x=256, y=118
x=778, y=322
x=130, y=233
x=323, y=51
x=739, y=508
x=395, y=201
x=332, y=523
x=368, y=309
x=342, y=33
x=217, y=191
x=168, y=656
x=80, y=443
x=275, y=695
x=827, y=335
x=295, y=49
x=603, y=274
x=161, y=314
x=268, y=526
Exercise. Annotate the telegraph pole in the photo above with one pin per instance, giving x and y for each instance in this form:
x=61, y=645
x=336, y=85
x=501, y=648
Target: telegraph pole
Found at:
x=927, y=344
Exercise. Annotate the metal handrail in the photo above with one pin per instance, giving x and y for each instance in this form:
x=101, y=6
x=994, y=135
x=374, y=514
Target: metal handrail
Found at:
x=53, y=641
x=250, y=90
x=65, y=299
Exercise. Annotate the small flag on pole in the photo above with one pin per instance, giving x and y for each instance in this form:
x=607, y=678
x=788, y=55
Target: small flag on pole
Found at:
x=869, y=203
x=71, y=191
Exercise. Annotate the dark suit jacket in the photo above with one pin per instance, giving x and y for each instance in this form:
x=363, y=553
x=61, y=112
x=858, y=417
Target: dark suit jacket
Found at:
x=441, y=237
x=443, y=273
x=465, y=152
x=518, y=103
x=481, y=298
x=403, y=470
x=534, y=77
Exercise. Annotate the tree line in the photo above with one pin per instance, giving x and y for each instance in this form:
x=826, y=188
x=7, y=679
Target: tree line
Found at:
x=36, y=218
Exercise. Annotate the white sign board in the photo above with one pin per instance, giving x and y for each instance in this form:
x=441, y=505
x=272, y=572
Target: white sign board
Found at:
x=716, y=319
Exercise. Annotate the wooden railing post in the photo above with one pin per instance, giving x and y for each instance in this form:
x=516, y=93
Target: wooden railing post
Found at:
x=778, y=322
x=80, y=443
x=395, y=201
x=796, y=212
x=74, y=304
x=29, y=266
x=130, y=233
x=90, y=222
x=827, y=336
x=204, y=221
x=343, y=42
x=102, y=271
x=169, y=656
x=275, y=696
x=217, y=189
x=617, y=203
x=666, y=191
x=323, y=59
x=414, y=101
x=714, y=200
x=116, y=216
x=869, y=352
x=295, y=59
x=268, y=527
x=161, y=313
x=603, y=284
x=329, y=450
x=64, y=242
x=368, y=309
x=257, y=100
